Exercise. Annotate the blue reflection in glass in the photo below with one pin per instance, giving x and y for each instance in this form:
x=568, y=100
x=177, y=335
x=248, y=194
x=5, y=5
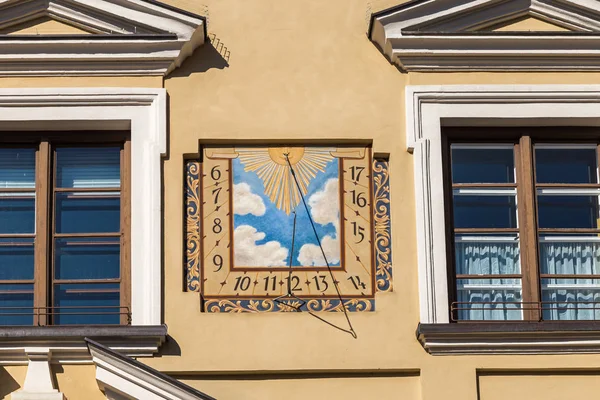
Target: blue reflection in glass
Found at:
x=16, y=259
x=565, y=165
x=17, y=213
x=83, y=167
x=16, y=304
x=484, y=211
x=87, y=258
x=567, y=211
x=81, y=305
x=84, y=213
x=17, y=168
x=481, y=165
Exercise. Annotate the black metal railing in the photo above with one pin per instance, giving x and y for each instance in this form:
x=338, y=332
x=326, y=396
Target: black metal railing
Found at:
x=51, y=315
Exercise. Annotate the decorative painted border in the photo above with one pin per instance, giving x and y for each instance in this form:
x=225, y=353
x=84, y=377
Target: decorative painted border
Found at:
x=269, y=305
x=383, y=251
x=192, y=221
x=382, y=219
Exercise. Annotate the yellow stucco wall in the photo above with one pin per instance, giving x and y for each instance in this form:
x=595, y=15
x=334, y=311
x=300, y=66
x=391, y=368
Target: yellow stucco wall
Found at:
x=306, y=70
x=43, y=26
x=74, y=381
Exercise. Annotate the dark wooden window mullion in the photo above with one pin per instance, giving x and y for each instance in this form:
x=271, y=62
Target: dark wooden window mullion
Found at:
x=528, y=223
x=42, y=214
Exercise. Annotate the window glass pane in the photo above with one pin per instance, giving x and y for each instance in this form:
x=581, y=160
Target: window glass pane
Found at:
x=16, y=258
x=94, y=303
x=16, y=304
x=83, y=167
x=87, y=258
x=17, y=168
x=489, y=299
x=484, y=211
x=567, y=211
x=570, y=255
x=489, y=255
x=87, y=212
x=571, y=299
x=17, y=212
x=565, y=165
x=482, y=165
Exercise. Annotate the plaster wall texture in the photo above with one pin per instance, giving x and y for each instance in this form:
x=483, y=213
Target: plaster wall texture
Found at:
x=44, y=26
x=306, y=70
x=74, y=381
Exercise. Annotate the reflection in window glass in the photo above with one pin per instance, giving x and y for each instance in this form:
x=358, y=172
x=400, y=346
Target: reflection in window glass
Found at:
x=570, y=254
x=16, y=258
x=89, y=304
x=87, y=258
x=17, y=213
x=482, y=165
x=567, y=211
x=87, y=212
x=16, y=304
x=17, y=168
x=88, y=167
x=485, y=211
x=487, y=255
x=571, y=299
x=566, y=165
x=489, y=299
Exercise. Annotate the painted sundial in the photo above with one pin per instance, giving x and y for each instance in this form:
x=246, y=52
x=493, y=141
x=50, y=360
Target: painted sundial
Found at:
x=250, y=237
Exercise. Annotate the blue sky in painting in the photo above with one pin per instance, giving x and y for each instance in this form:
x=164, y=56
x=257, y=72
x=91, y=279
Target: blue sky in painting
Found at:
x=278, y=226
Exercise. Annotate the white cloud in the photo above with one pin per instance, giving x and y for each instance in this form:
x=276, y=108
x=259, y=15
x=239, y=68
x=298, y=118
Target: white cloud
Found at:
x=250, y=254
x=310, y=254
x=325, y=204
x=246, y=202
x=325, y=210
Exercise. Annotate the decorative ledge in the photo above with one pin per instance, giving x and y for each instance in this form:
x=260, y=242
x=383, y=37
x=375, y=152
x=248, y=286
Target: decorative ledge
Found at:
x=67, y=344
x=458, y=35
x=127, y=37
x=571, y=337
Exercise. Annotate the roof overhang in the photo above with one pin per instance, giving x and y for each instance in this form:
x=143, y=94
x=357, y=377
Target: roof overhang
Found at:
x=456, y=35
x=123, y=377
x=127, y=37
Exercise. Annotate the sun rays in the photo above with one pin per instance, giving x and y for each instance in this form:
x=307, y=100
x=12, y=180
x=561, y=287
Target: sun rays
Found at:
x=271, y=166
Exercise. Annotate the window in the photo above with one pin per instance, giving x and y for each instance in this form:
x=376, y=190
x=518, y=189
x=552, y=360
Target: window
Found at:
x=525, y=233
x=64, y=233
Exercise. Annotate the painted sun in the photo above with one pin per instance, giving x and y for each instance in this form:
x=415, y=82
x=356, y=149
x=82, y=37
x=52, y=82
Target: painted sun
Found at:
x=271, y=166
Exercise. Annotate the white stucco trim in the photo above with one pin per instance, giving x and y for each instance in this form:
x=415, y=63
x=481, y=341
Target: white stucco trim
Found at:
x=143, y=111
x=458, y=35
x=122, y=378
x=132, y=37
x=428, y=108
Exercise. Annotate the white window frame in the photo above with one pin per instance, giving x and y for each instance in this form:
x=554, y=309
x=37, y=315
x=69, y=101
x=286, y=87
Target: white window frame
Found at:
x=428, y=109
x=143, y=112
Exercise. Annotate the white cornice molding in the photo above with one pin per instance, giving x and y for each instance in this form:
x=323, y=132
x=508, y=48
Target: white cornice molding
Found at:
x=128, y=37
x=68, y=343
x=122, y=377
x=572, y=337
x=436, y=35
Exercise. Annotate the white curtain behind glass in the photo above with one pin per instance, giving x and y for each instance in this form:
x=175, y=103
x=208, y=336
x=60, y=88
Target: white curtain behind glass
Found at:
x=488, y=258
x=572, y=257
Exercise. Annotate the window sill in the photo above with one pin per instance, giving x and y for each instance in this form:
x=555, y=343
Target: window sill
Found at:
x=67, y=344
x=572, y=337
